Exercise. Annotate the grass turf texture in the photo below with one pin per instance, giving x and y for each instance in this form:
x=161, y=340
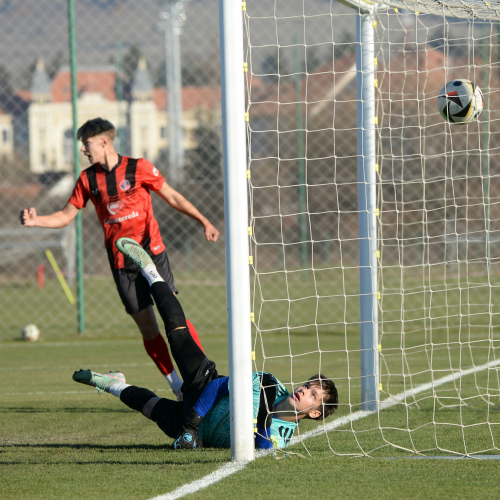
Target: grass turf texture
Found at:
x=59, y=439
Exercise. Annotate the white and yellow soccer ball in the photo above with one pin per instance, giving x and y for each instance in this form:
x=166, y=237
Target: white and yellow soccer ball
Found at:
x=30, y=333
x=460, y=101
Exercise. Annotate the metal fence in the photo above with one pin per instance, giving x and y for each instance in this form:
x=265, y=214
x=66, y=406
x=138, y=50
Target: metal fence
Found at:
x=135, y=62
x=132, y=71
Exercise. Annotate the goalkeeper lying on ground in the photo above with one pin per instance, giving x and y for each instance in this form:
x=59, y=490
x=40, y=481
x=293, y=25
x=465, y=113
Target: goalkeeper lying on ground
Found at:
x=202, y=418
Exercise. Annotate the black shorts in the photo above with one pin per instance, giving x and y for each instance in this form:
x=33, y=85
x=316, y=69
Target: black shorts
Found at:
x=133, y=287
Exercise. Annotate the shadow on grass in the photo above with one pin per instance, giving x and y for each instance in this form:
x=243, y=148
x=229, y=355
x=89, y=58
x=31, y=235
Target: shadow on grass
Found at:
x=89, y=446
x=31, y=409
x=171, y=457
x=116, y=462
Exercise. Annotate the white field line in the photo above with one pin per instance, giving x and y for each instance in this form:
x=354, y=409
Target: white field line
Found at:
x=225, y=471
x=393, y=400
x=232, y=467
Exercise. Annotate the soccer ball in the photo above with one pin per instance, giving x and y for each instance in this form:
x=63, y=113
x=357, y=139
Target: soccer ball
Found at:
x=30, y=332
x=460, y=101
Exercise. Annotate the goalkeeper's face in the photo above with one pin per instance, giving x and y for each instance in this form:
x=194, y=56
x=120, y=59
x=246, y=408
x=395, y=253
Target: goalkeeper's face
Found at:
x=307, y=400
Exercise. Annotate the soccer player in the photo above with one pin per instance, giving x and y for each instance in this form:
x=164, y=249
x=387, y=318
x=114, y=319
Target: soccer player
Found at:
x=202, y=418
x=119, y=187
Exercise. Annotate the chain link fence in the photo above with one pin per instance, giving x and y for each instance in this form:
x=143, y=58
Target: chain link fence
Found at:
x=133, y=60
x=125, y=61
x=129, y=67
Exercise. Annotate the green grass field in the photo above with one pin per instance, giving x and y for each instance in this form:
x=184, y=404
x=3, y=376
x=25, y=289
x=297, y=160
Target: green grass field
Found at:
x=59, y=439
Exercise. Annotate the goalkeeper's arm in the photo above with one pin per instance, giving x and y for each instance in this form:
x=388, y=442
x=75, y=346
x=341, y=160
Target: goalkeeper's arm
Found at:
x=212, y=393
x=266, y=409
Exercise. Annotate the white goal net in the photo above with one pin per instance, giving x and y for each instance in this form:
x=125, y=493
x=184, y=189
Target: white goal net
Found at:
x=436, y=239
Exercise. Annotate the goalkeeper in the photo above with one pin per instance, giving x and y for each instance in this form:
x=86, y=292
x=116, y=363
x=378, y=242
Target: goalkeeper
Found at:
x=202, y=418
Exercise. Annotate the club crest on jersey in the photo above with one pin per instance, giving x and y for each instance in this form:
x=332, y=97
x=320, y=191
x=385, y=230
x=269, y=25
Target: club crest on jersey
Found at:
x=115, y=207
x=124, y=185
x=155, y=171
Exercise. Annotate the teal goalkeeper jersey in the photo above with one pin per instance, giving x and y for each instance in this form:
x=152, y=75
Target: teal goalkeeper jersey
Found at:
x=215, y=428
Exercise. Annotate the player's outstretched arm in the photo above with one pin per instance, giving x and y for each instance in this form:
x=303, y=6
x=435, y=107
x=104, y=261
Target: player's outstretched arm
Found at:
x=213, y=392
x=177, y=201
x=59, y=219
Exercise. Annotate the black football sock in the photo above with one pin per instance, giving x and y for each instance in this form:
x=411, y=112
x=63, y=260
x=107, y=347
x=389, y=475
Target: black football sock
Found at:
x=136, y=397
x=169, y=307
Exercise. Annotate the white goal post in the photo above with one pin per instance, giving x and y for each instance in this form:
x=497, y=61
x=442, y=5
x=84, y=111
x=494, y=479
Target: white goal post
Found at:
x=236, y=223
x=373, y=223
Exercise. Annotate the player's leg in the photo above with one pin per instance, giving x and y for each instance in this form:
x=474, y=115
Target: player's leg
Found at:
x=156, y=347
x=187, y=354
x=135, y=295
x=163, y=266
x=194, y=334
x=165, y=413
x=190, y=359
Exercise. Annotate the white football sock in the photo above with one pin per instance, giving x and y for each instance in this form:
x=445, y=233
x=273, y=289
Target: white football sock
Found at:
x=174, y=381
x=151, y=274
x=116, y=389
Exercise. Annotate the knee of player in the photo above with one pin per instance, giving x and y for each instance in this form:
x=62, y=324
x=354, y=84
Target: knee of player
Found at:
x=148, y=407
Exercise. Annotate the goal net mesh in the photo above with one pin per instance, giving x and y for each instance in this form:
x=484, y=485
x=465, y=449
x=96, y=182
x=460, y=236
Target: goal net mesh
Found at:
x=438, y=220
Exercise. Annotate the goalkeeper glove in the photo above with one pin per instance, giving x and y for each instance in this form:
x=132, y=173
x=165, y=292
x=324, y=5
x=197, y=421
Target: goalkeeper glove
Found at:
x=189, y=439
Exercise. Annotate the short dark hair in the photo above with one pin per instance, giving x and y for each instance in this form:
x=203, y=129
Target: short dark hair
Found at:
x=96, y=126
x=330, y=395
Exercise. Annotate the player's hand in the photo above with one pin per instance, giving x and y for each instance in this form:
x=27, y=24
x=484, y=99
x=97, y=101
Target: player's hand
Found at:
x=211, y=234
x=188, y=440
x=28, y=217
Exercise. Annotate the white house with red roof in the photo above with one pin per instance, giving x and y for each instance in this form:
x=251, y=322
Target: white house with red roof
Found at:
x=145, y=117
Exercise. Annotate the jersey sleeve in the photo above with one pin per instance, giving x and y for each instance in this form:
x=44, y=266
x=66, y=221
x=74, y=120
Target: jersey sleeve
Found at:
x=211, y=395
x=150, y=176
x=80, y=194
x=281, y=432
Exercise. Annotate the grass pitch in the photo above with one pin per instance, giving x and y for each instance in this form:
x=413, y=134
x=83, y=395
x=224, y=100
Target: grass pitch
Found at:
x=59, y=439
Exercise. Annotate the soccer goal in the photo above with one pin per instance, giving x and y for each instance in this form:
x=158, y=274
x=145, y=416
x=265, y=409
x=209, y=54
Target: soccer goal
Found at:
x=374, y=221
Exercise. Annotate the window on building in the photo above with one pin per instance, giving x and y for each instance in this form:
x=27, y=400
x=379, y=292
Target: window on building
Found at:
x=44, y=159
x=68, y=145
x=145, y=155
x=5, y=135
x=163, y=132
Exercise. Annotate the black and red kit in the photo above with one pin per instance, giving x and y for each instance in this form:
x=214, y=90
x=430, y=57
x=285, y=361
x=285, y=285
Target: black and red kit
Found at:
x=122, y=201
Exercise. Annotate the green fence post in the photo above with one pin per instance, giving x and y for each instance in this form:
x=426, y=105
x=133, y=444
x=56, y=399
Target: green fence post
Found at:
x=74, y=97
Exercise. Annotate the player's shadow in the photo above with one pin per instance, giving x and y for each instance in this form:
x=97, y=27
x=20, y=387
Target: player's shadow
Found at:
x=31, y=409
x=117, y=462
x=174, y=458
x=88, y=446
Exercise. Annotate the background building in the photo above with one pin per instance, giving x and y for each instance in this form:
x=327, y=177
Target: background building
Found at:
x=140, y=118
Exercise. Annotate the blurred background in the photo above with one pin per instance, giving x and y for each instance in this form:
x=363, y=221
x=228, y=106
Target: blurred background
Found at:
x=125, y=55
x=148, y=65
x=140, y=65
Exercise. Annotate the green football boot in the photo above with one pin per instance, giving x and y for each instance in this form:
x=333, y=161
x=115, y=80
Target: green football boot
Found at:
x=101, y=381
x=134, y=251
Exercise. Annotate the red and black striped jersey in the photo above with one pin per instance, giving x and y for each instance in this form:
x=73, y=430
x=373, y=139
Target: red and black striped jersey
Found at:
x=122, y=201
